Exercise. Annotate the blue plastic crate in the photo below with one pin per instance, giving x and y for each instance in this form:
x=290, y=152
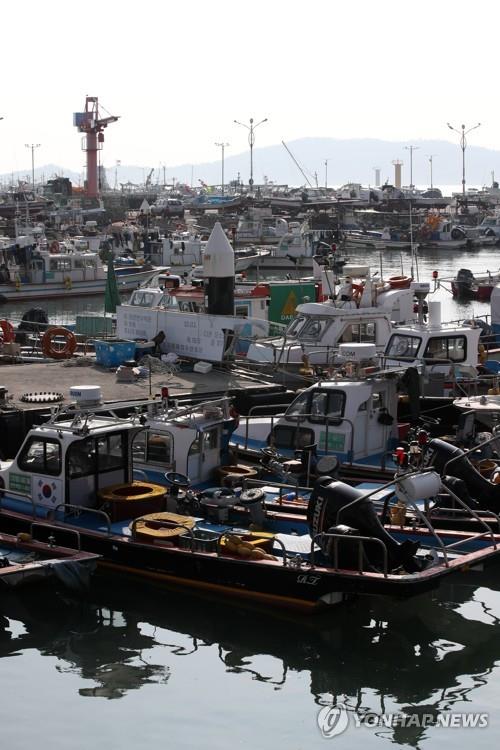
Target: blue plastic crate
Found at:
x=114, y=352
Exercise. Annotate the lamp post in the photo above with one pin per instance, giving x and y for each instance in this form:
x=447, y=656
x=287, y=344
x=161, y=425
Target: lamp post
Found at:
x=326, y=172
x=222, y=147
x=431, y=157
x=463, y=145
x=411, y=149
x=251, y=140
x=32, y=146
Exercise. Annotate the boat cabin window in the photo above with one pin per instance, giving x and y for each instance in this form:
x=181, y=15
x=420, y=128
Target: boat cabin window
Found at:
x=358, y=333
x=242, y=311
x=299, y=406
x=143, y=299
x=95, y=455
x=292, y=437
x=41, y=456
x=326, y=404
x=159, y=447
x=313, y=329
x=295, y=327
x=449, y=348
x=318, y=404
x=401, y=345
x=60, y=264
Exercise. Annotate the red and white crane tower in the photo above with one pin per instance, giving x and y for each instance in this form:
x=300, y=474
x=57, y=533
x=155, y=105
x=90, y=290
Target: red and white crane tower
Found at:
x=89, y=123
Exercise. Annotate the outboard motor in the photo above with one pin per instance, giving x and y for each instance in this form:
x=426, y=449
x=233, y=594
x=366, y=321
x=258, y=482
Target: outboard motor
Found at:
x=327, y=499
x=439, y=457
x=464, y=282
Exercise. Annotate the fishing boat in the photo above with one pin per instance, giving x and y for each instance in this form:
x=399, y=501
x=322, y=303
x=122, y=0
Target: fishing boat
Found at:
x=30, y=271
x=466, y=285
x=25, y=560
x=76, y=472
x=358, y=308
x=438, y=233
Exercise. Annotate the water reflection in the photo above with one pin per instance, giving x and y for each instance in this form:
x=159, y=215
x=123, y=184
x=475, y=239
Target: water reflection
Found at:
x=426, y=655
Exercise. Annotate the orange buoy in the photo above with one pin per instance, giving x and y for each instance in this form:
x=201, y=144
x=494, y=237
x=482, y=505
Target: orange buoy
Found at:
x=399, y=282
x=8, y=333
x=52, y=350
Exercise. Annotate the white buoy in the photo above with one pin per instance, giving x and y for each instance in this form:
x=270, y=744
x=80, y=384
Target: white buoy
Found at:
x=218, y=272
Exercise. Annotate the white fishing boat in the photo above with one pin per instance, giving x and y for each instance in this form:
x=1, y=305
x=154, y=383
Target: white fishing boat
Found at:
x=32, y=271
x=362, y=312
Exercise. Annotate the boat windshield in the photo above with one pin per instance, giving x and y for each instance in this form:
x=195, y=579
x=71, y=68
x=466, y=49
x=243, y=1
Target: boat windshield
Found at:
x=295, y=327
x=402, y=345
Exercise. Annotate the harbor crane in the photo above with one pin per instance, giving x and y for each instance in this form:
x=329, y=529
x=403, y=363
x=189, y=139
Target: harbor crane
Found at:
x=92, y=125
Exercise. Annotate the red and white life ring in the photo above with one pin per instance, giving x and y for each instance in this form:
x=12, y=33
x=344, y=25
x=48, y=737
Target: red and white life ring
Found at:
x=54, y=247
x=8, y=334
x=50, y=349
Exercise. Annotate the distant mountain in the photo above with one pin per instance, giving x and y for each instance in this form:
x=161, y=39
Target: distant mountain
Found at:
x=349, y=160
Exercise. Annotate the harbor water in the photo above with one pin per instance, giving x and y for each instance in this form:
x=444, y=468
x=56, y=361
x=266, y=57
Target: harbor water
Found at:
x=391, y=262
x=136, y=667
x=132, y=667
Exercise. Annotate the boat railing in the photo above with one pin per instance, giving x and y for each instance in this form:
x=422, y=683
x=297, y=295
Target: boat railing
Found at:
x=80, y=510
x=298, y=418
x=283, y=488
x=361, y=540
x=22, y=496
x=51, y=527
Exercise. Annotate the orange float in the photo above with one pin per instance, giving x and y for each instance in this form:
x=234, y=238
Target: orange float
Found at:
x=399, y=282
x=52, y=350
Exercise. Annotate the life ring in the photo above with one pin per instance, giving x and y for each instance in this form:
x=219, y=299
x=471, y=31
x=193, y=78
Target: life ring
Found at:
x=159, y=527
x=8, y=333
x=357, y=291
x=54, y=247
x=238, y=471
x=399, y=282
x=50, y=349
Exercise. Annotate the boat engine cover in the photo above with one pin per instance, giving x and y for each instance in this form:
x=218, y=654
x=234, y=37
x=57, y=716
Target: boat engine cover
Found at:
x=325, y=513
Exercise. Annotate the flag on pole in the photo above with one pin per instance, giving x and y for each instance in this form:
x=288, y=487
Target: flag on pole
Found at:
x=111, y=296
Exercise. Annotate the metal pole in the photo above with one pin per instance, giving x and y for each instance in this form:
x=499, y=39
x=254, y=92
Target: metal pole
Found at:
x=32, y=146
x=222, y=146
x=411, y=149
x=251, y=140
x=463, y=145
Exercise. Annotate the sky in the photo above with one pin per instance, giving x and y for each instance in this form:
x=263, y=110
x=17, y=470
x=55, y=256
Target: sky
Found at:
x=179, y=73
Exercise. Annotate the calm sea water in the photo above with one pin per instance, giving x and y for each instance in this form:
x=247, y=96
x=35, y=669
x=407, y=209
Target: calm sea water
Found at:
x=136, y=667
x=133, y=667
x=446, y=263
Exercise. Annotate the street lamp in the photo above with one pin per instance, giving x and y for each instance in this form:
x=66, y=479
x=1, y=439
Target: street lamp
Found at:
x=411, y=149
x=326, y=171
x=222, y=146
x=463, y=145
x=251, y=140
x=32, y=146
x=431, y=157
